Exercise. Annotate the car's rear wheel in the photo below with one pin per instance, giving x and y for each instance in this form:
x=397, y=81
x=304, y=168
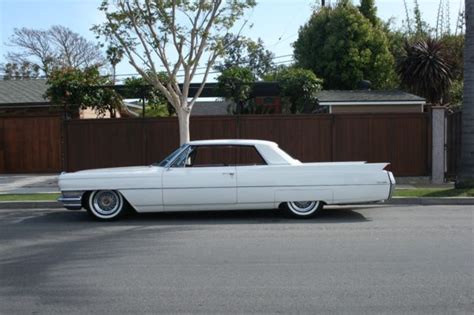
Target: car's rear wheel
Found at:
x=106, y=205
x=303, y=209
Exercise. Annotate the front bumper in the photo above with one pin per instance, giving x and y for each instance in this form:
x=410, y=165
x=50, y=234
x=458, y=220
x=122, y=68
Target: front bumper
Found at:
x=71, y=200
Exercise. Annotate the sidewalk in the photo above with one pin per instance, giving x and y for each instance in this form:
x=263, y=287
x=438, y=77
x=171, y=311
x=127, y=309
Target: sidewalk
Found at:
x=29, y=184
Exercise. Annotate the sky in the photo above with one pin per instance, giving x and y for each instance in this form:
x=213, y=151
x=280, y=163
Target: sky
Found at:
x=276, y=22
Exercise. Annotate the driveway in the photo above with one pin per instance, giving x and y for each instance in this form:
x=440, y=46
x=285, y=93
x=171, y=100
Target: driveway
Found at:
x=375, y=259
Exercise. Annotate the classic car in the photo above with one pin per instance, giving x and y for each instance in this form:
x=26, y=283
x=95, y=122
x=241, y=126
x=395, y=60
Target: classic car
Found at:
x=225, y=175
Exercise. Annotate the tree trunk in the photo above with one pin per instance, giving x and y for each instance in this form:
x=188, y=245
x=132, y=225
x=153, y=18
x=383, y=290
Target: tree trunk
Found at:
x=465, y=174
x=183, y=120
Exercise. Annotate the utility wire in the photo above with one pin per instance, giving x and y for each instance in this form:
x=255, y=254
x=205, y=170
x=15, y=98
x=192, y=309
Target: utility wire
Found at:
x=181, y=75
x=197, y=74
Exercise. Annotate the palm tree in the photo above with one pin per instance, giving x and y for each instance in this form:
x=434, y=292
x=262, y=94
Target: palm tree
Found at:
x=424, y=69
x=465, y=176
x=114, y=56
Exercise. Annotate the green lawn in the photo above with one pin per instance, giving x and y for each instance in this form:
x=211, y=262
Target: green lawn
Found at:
x=29, y=197
x=434, y=192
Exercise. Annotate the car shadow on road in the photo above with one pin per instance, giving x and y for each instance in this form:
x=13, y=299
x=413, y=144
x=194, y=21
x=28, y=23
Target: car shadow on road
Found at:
x=337, y=215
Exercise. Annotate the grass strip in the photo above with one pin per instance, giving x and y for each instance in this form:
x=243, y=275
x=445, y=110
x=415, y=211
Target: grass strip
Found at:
x=29, y=197
x=434, y=192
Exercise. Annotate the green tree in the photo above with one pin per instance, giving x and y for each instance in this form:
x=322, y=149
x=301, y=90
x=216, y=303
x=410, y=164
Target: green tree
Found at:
x=235, y=84
x=156, y=105
x=454, y=47
x=341, y=46
x=76, y=89
x=299, y=87
x=246, y=53
x=181, y=36
x=424, y=69
x=25, y=70
x=369, y=10
x=114, y=56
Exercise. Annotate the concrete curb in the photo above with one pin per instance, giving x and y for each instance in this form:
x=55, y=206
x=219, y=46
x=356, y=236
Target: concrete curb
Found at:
x=5, y=205
x=431, y=201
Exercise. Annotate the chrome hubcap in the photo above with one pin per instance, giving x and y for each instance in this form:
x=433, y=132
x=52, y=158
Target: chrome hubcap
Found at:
x=106, y=202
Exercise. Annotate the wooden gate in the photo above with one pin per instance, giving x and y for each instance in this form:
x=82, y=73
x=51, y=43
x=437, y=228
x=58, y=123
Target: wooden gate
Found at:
x=453, y=142
x=30, y=144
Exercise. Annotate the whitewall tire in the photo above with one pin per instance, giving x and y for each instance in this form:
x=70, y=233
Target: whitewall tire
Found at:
x=303, y=209
x=106, y=204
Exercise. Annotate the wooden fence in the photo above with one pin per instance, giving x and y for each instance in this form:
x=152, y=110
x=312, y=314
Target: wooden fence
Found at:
x=31, y=144
x=401, y=139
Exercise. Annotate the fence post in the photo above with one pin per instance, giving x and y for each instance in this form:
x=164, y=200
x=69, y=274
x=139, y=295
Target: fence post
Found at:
x=438, y=145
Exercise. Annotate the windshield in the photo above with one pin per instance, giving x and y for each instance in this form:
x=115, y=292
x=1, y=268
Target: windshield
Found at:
x=171, y=156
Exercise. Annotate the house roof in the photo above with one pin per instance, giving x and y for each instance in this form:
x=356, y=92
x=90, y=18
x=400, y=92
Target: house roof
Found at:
x=23, y=92
x=210, y=108
x=365, y=97
x=30, y=92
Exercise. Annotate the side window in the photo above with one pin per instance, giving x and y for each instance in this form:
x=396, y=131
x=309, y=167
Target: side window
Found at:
x=182, y=159
x=248, y=156
x=208, y=156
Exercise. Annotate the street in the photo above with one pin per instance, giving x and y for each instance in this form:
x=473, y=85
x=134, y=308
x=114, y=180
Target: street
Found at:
x=351, y=259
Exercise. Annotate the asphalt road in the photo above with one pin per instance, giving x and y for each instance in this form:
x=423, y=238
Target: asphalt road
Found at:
x=376, y=259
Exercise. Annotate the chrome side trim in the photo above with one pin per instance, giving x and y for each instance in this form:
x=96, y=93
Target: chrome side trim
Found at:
x=71, y=203
x=391, y=179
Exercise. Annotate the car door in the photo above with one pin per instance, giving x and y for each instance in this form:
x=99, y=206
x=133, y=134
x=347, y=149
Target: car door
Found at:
x=204, y=176
x=255, y=180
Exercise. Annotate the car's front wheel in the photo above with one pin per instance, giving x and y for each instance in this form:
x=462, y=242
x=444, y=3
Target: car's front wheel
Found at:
x=304, y=209
x=106, y=204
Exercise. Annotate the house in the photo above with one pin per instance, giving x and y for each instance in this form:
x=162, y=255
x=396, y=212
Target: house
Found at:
x=211, y=103
x=367, y=101
x=18, y=97
x=26, y=97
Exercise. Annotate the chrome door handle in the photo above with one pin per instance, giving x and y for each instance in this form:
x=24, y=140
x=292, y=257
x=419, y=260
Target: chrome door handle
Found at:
x=228, y=173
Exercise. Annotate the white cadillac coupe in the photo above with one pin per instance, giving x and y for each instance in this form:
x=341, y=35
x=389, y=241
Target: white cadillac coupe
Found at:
x=225, y=175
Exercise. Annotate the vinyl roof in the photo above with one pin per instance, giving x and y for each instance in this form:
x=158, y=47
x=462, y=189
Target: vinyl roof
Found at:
x=231, y=142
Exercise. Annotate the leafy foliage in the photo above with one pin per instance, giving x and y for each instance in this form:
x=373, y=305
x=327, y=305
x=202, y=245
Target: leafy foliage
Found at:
x=156, y=105
x=253, y=109
x=299, y=87
x=454, y=47
x=424, y=69
x=369, y=10
x=14, y=71
x=340, y=45
x=114, y=56
x=455, y=93
x=246, y=53
x=235, y=84
x=78, y=89
x=178, y=35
